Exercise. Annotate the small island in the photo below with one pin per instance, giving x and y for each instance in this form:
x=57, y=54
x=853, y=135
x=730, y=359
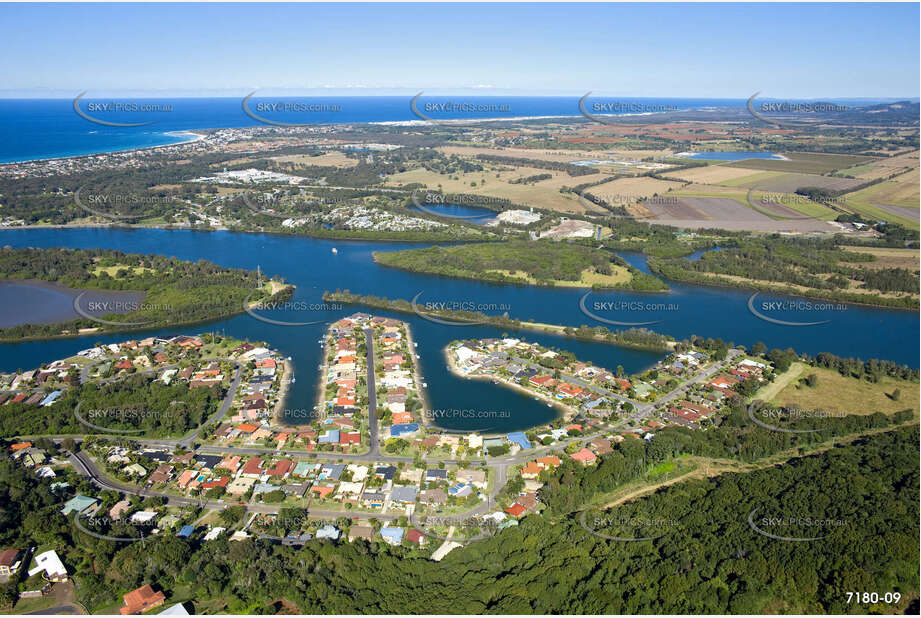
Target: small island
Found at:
x=546, y=263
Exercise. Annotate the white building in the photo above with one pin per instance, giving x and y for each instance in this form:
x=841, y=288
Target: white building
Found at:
x=51, y=564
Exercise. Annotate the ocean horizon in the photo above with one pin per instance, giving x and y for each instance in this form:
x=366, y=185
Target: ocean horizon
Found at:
x=49, y=128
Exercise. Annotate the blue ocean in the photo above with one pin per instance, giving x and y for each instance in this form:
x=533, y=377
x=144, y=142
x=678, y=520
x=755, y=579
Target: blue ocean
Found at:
x=50, y=128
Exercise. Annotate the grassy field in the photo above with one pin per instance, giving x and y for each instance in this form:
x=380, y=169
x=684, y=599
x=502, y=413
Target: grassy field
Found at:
x=544, y=194
x=329, y=159
x=560, y=156
x=112, y=270
x=714, y=174
x=836, y=393
x=589, y=277
x=890, y=258
x=629, y=190
x=803, y=162
x=901, y=191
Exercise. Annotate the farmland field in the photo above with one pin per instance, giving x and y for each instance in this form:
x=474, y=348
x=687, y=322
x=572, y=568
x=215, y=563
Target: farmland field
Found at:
x=713, y=174
x=543, y=194
x=329, y=159
x=728, y=214
x=628, y=190
x=804, y=162
x=789, y=183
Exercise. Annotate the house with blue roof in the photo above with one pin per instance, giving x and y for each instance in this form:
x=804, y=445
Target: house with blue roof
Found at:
x=51, y=398
x=186, y=531
x=393, y=535
x=263, y=488
x=81, y=504
x=403, y=429
x=461, y=490
x=328, y=532
x=330, y=437
x=518, y=437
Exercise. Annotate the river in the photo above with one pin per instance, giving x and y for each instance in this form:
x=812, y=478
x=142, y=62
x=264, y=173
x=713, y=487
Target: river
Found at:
x=312, y=266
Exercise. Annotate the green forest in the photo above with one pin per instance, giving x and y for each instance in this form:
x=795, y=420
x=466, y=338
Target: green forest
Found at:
x=822, y=265
x=174, y=291
x=137, y=402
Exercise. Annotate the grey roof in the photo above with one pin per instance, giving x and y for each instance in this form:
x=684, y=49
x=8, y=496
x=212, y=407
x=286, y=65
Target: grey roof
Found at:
x=404, y=494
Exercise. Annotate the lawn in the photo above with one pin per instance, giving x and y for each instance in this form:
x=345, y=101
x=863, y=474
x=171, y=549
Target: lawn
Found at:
x=836, y=393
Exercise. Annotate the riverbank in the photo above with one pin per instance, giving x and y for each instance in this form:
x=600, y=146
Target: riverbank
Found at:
x=658, y=342
x=417, y=374
x=283, y=388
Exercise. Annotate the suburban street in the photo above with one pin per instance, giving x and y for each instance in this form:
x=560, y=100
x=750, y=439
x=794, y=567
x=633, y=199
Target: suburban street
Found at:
x=374, y=440
x=498, y=466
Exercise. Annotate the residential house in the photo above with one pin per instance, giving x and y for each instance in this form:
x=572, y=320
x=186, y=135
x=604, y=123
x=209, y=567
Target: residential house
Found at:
x=141, y=600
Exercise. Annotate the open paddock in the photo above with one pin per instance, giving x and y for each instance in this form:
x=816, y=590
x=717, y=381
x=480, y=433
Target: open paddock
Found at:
x=544, y=194
x=789, y=183
x=329, y=159
x=728, y=214
x=804, y=162
x=712, y=174
x=625, y=191
x=888, y=257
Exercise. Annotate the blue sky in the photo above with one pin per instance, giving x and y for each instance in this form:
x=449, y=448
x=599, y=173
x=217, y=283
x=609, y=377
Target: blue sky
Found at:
x=656, y=50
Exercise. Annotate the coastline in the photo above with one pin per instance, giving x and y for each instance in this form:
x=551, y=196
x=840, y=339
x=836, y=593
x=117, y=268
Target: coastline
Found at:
x=195, y=137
